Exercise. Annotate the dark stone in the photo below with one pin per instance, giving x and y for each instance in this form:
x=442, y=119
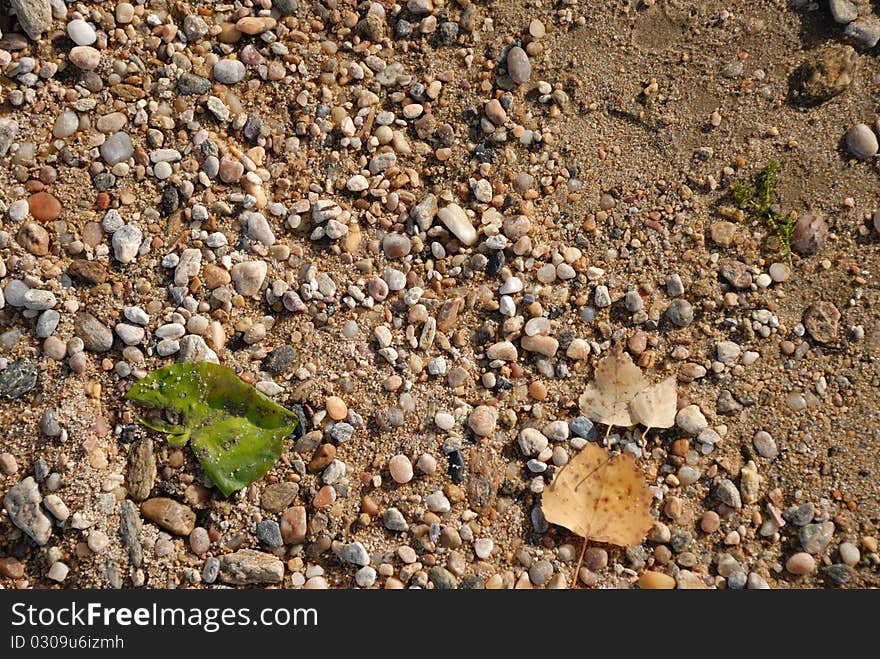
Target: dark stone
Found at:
x=129, y=529
x=838, y=574
x=17, y=379
x=170, y=200
x=494, y=263
x=252, y=127
x=456, y=466
x=280, y=360
x=442, y=578
x=726, y=403
x=190, y=84
x=285, y=7
x=269, y=533
x=799, y=515
x=472, y=582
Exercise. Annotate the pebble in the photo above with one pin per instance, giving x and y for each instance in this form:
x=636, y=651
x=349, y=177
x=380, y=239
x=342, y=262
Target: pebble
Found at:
x=691, y=420
x=269, y=533
x=482, y=420
x=44, y=207
x=814, y=538
x=17, y=379
x=809, y=232
x=248, y=566
x=728, y=493
x=81, y=33
x=862, y=142
x=294, y=525
x=680, y=313
x=765, y=445
x=849, y=553
x=95, y=336
x=355, y=553
x=336, y=408
x=169, y=515
x=394, y=520
x=35, y=17
x=652, y=580
x=401, y=469
x=248, y=277
x=229, y=71
x=456, y=220
x=532, y=442
x=518, y=66
x=117, y=148
x=22, y=503
x=199, y=541
x=126, y=242
x=800, y=564
x=58, y=571
x=85, y=57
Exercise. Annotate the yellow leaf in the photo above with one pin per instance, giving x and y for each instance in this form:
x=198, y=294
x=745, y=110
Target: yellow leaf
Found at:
x=655, y=407
x=606, y=400
x=600, y=497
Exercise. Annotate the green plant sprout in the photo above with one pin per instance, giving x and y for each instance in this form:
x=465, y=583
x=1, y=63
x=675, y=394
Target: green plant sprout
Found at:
x=235, y=431
x=759, y=201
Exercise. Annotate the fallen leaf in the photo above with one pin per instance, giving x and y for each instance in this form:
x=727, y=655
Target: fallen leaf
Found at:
x=236, y=432
x=600, y=497
x=607, y=399
x=655, y=407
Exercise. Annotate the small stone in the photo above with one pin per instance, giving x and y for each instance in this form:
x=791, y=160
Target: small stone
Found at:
x=95, y=336
x=34, y=238
x=728, y=352
x=170, y=515
x=691, y=420
x=336, y=408
x=736, y=273
x=247, y=566
x=294, y=527
x=199, y=541
x=401, y=469
x=814, y=538
x=680, y=313
x=482, y=420
x=81, y=33
x=799, y=515
x=808, y=236
x=34, y=16
x=800, y=564
x=728, y=493
x=821, y=320
x=58, y=571
x=532, y=442
x=126, y=243
x=117, y=148
x=843, y=11
x=651, y=580
x=229, y=71
x=141, y=469
x=365, y=577
x=765, y=445
x=862, y=142
x=864, y=32
x=394, y=520
x=355, y=553
x=269, y=533
x=442, y=578
x=17, y=379
x=248, y=277
x=849, y=553
x=456, y=220
x=396, y=246
x=22, y=503
x=44, y=207
x=85, y=57
x=518, y=66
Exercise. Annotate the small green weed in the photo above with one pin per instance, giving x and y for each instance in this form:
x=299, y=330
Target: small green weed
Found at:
x=758, y=200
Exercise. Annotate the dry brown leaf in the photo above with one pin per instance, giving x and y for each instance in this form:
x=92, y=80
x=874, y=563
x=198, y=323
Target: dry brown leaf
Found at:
x=655, y=407
x=607, y=399
x=600, y=498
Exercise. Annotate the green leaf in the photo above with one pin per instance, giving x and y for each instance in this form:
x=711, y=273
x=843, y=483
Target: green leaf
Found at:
x=234, y=430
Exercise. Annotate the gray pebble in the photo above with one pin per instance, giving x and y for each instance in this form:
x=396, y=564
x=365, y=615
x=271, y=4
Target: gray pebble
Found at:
x=269, y=533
